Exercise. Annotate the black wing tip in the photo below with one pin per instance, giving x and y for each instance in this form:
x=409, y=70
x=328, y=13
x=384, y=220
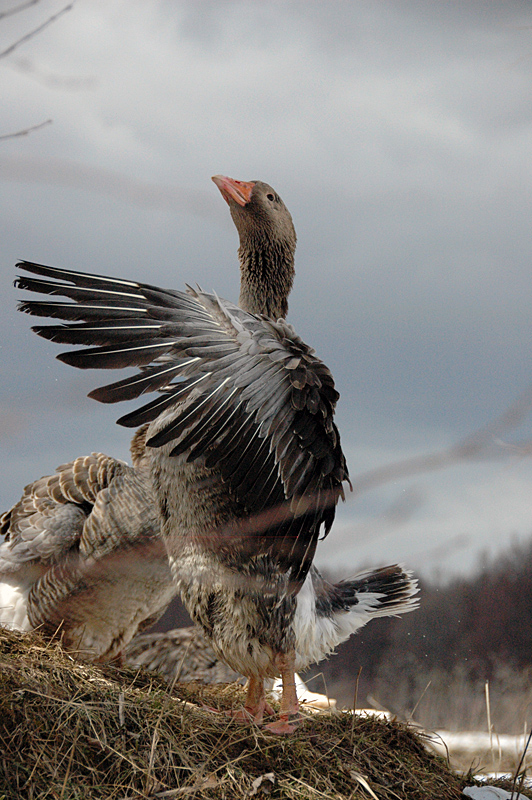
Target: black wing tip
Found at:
x=22, y=263
x=45, y=331
x=73, y=359
x=102, y=396
x=125, y=422
x=32, y=266
x=24, y=305
x=32, y=307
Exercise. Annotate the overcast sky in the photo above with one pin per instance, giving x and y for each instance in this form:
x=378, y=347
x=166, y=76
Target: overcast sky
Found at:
x=399, y=135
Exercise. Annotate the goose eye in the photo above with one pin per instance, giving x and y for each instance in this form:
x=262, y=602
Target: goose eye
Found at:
x=270, y=196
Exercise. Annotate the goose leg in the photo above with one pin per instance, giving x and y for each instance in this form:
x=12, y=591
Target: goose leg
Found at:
x=289, y=717
x=256, y=705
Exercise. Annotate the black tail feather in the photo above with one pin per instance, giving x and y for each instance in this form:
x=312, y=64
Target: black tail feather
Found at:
x=394, y=582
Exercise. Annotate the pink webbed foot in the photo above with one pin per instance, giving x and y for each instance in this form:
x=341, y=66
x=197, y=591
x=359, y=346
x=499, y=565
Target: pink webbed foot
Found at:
x=254, y=709
x=212, y=710
x=285, y=725
x=256, y=705
x=253, y=713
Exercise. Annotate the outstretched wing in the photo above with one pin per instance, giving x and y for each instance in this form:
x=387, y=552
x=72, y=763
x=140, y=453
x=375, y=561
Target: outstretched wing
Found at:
x=244, y=393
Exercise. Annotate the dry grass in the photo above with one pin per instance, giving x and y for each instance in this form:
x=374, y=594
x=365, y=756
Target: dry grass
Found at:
x=69, y=731
x=456, y=700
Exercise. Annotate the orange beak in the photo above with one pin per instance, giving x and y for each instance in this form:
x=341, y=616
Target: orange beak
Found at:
x=239, y=191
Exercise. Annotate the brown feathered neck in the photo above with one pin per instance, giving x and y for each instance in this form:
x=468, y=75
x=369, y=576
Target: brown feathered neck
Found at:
x=267, y=275
x=267, y=245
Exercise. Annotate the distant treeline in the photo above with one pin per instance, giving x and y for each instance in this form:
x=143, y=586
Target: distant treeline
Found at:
x=482, y=620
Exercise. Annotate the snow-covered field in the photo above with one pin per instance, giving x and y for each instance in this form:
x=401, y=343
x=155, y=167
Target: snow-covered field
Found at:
x=490, y=793
x=484, y=753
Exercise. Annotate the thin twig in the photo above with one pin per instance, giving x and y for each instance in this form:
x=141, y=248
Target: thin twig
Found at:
x=286, y=783
x=155, y=736
x=355, y=701
x=16, y=9
x=470, y=448
x=488, y=714
x=411, y=715
x=362, y=780
x=35, y=31
x=25, y=131
x=121, y=718
x=70, y=759
x=521, y=760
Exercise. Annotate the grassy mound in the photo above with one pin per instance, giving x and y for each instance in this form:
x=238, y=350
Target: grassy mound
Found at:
x=69, y=730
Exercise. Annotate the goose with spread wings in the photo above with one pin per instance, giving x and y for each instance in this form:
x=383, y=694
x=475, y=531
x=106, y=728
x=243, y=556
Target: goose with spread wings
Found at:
x=83, y=558
x=245, y=457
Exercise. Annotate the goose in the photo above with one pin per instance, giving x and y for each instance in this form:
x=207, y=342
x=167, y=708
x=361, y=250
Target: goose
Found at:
x=180, y=654
x=335, y=610
x=245, y=457
x=83, y=557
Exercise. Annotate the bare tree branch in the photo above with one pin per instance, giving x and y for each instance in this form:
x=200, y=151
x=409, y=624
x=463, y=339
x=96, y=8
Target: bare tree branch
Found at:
x=52, y=81
x=25, y=38
x=484, y=443
x=32, y=33
x=25, y=131
x=16, y=9
x=61, y=172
